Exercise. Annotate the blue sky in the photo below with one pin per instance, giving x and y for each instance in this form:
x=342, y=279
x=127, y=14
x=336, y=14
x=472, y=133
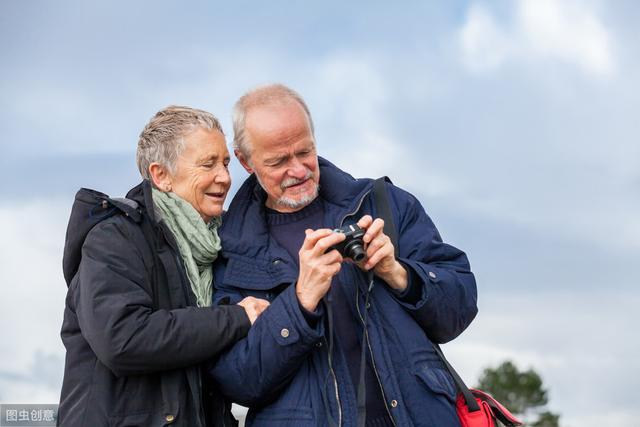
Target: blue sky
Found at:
x=514, y=122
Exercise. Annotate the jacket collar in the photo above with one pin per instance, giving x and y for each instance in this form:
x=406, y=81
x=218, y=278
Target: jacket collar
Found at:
x=244, y=230
x=142, y=194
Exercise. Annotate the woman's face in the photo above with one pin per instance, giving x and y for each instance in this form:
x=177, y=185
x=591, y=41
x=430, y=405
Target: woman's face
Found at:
x=201, y=174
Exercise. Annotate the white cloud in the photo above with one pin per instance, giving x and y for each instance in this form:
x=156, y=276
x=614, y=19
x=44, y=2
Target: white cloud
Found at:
x=353, y=107
x=484, y=43
x=580, y=213
x=568, y=31
x=598, y=418
x=32, y=293
x=348, y=102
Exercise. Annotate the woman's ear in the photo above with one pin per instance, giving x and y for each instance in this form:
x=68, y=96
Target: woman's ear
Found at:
x=160, y=177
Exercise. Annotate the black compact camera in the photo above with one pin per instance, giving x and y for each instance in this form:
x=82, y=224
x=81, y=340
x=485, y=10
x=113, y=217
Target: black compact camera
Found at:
x=353, y=245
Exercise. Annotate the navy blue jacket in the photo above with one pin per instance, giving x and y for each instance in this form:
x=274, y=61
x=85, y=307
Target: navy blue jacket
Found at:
x=282, y=371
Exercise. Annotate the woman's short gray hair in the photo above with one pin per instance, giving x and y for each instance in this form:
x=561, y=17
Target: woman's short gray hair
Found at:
x=162, y=139
x=273, y=94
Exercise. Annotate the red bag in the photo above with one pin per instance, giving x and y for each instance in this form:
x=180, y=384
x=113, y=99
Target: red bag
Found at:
x=485, y=411
x=477, y=408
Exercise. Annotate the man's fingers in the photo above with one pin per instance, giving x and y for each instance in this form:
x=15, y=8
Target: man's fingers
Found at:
x=326, y=242
x=331, y=257
x=373, y=260
x=312, y=236
x=365, y=221
x=374, y=230
x=336, y=269
x=376, y=244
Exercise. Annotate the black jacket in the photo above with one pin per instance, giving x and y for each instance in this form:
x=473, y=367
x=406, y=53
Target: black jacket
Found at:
x=127, y=363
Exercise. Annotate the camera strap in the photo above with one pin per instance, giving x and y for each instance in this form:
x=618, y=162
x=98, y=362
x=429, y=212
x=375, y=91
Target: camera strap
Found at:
x=362, y=387
x=383, y=210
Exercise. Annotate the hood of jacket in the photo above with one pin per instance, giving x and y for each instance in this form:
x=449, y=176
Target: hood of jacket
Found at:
x=91, y=207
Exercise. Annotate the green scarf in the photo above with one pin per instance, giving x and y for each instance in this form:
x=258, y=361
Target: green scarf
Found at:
x=198, y=242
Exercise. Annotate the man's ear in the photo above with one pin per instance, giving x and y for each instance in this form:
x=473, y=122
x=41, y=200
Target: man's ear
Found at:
x=243, y=161
x=160, y=176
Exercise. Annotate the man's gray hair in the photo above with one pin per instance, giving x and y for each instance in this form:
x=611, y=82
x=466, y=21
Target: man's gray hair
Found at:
x=162, y=139
x=273, y=94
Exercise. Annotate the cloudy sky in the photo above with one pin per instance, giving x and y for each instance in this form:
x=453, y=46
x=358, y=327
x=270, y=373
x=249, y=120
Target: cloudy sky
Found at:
x=514, y=122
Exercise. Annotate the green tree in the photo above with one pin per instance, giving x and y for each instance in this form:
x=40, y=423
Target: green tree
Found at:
x=547, y=419
x=521, y=392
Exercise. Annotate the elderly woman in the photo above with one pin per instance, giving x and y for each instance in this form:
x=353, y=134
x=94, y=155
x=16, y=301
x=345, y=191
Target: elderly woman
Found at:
x=138, y=320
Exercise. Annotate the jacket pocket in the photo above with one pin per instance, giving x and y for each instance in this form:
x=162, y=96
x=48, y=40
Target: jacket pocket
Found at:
x=283, y=416
x=131, y=420
x=430, y=370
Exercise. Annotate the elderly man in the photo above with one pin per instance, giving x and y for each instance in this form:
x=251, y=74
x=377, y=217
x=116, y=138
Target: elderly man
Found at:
x=331, y=349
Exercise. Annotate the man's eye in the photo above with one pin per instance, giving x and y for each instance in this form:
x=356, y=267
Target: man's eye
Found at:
x=207, y=165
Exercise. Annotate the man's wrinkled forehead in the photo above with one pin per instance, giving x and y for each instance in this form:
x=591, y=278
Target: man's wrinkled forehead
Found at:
x=284, y=123
x=275, y=112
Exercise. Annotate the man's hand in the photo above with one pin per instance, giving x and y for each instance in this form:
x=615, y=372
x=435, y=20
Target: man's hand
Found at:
x=253, y=307
x=381, y=254
x=317, y=268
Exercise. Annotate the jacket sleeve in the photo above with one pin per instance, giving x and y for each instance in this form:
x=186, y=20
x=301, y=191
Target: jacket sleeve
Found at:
x=447, y=289
x=280, y=340
x=116, y=316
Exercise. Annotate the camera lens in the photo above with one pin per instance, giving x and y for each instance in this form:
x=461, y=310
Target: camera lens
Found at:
x=355, y=251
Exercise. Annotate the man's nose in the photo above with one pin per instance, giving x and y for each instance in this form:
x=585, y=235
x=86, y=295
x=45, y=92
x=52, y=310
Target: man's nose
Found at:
x=297, y=169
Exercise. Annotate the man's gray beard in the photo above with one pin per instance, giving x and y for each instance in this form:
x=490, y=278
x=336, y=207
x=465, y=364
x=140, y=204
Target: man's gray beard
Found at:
x=291, y=203
x=298, y=204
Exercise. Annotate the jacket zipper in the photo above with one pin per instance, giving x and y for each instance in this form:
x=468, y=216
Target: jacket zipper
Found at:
x=373, y=363
x=357, y=208
x=224, y=415
x=335, y=382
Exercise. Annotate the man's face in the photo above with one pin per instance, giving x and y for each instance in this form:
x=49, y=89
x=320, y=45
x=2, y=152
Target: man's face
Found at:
x=283, y=155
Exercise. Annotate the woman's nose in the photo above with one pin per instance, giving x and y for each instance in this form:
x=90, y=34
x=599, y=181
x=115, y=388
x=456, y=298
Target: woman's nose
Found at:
x=223, y=177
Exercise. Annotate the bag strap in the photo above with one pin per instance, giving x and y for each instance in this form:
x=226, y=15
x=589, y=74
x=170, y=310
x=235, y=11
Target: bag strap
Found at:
x=383, y=209
x=471, y=402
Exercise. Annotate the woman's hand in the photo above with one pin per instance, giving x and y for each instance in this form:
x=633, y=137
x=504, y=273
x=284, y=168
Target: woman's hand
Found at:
x=253, y=307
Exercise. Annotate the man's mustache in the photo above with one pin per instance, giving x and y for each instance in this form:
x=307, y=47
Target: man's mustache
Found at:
x=293, y=181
